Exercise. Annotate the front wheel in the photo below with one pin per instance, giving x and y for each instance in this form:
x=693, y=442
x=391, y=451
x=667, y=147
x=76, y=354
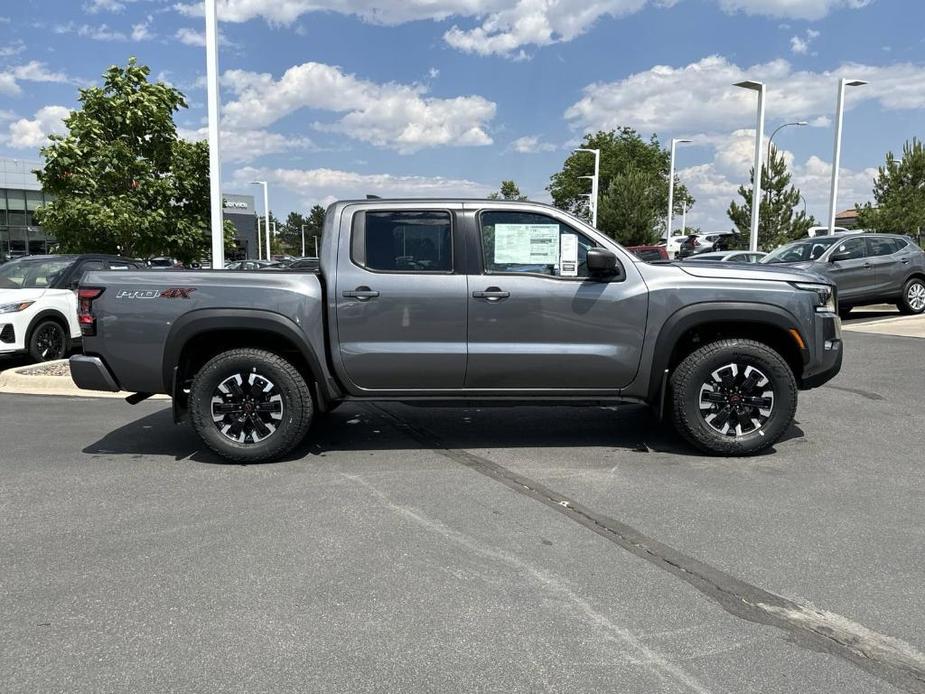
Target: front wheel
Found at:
x=733, y=397
x=913, y=298
x=250, y=405
x=48, y=342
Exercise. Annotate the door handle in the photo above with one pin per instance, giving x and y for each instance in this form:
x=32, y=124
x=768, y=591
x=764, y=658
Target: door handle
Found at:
x=492, y=294
x=361, y=293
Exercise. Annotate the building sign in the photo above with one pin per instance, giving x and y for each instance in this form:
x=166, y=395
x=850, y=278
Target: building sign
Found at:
x=236, y=204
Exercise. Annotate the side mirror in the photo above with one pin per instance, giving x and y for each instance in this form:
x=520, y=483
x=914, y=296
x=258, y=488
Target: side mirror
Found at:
x=602, y=262
x=838, y=256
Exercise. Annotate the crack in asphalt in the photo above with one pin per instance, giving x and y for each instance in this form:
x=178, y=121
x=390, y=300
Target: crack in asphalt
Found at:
x=887, y=658
x=870, y=395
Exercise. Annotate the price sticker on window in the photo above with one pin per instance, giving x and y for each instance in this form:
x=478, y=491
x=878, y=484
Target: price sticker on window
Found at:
x=527, y=244
x=568, y=256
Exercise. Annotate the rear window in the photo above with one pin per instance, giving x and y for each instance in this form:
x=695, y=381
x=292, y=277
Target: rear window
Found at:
x=403, y=241
x=882, y=246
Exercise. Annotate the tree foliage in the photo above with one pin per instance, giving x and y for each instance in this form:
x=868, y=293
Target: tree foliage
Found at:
x=122, y=181
x=290, y=234
x=632, y=205
x=899, y=192
x=779, y=222
x=625, y=158
x=509, y=191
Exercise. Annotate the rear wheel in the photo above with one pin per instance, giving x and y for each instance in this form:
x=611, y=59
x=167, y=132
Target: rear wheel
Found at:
x=48, y=341
x=913, y=298
x=250, y=405
x=733, y=397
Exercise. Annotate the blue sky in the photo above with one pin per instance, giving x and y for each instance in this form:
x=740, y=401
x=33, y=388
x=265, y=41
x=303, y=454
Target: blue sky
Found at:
x=337, y=98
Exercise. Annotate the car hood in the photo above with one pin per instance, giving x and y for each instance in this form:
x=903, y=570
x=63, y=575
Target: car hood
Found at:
x=789, y=272
x=12, y=296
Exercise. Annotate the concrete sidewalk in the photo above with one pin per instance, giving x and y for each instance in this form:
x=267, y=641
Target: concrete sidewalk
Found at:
x=901, y=326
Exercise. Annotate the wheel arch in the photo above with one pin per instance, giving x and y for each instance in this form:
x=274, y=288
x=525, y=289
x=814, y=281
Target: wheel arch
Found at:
x=694, y=325
x=49, y=314
x=200, y=335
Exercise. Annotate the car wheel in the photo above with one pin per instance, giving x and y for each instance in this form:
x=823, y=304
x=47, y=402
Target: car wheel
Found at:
x=48, y=342
x=913, y=298
x=733, y=397
x=250, y=405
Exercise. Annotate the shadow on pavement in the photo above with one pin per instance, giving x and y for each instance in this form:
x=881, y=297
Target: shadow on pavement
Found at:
x=368, y=428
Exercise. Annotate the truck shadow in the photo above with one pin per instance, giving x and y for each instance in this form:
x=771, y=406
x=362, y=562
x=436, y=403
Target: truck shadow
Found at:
x=369, y=428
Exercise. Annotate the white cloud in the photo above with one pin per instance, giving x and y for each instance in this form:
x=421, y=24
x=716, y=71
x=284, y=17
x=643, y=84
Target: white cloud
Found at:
x=197, y=38
x=31, y=133
x=95, y=6
x=715, y=183
x=248, y=145
x=312, y=185
x=142, y=31
x=33, y=71
x=14, y=48
x=530, y=144
x=392, y=115
x=701, y=96
x=502, y=27
x=800, y=45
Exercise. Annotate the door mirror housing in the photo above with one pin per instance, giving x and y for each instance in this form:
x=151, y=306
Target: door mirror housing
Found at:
x=603, y=263
x=840, y=255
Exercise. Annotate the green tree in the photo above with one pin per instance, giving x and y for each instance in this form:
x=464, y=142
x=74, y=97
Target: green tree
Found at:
x=899, y=192
x=623, y=152
x=779, y=222
x=122, y=181
x=509, y=191
x=631, y=205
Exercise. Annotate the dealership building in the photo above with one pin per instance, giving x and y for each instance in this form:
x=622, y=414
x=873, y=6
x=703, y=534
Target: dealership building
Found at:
x=21, y=195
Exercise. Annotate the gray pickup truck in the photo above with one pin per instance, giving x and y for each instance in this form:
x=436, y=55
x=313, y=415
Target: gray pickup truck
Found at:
x=462, y=301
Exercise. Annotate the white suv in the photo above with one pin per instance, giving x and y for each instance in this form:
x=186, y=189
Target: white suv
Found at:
x=38, y=301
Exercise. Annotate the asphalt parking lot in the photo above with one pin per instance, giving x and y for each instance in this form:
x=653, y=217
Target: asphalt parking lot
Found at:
x=520, y=549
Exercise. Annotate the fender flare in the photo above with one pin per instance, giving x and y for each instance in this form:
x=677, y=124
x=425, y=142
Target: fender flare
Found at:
x=693, y=315
x=46, y=314
x=200, y=321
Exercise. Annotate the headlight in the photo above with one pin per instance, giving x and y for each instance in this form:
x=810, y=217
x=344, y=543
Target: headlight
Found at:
x=15, y=308
x=825, y=292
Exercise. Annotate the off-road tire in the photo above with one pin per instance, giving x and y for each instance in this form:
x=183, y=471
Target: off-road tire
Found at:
x=297, y=406
x=904, y=304
x=696, y=369
x=39, y=347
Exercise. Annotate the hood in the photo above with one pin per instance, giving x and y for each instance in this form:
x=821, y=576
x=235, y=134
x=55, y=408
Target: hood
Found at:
x=12, y=296
x=789, y=272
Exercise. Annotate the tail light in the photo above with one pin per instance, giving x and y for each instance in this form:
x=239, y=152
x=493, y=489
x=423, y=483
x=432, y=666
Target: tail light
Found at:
x=85, y=317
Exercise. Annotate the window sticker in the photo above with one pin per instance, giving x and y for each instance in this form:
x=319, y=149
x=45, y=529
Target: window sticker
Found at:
x=533, y=244
x=568, y=264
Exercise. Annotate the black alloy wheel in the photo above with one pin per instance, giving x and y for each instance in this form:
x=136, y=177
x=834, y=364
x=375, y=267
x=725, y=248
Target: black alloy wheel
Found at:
x=247, y=407
x=48, y=342
x=736, y=399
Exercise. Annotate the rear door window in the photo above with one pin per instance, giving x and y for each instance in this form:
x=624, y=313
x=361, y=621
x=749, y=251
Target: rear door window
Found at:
x=403, y=241
x=882, y=246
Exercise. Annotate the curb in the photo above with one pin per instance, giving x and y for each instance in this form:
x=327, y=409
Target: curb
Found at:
x=17, y=381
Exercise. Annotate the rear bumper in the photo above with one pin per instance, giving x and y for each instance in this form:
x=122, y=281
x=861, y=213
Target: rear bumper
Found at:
x=90, y=373
x=828, y=353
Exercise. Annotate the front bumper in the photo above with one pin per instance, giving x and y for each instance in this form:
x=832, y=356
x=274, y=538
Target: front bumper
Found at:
x=90, y=373
x=826, y=359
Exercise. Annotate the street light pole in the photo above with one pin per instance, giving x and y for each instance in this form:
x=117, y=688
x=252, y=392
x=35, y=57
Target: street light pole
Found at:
x=303, y=240
x=836, y=158
x=595, y=181
x=756, y=178
x=215, y=159
x=674, y=143
x=266, y=214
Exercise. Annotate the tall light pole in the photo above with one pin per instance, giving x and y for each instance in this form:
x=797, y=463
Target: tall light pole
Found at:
x=756, y=178
x=215, y=158
x=674, y=143
x=266, y=214
x=778, y=128
x=836, y=157
x=303, y=240
x=595, y=181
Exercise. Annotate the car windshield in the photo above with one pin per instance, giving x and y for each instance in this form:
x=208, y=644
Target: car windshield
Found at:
x=800, y=251
x=29, y=274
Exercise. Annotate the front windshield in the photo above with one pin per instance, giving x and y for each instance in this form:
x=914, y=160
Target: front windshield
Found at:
x=29, y=274
x=800, y=251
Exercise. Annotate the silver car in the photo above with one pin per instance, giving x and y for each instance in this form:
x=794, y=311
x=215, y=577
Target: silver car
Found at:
x=727, y=257
x=866, y=268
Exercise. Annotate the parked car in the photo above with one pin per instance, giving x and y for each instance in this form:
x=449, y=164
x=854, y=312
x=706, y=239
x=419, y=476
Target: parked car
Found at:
x=424, y=300
x=672, y=244
x=248, y=264
x=727, y=257
x=866, y=268
x=38, y=301
x=649, y=253
x=305, y=264
x=704, y=243
x=824, y=231
x=163, y=263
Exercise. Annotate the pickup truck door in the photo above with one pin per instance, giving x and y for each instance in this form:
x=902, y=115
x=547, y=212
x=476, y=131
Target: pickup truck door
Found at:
x=532, y=326
x=400, y=302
